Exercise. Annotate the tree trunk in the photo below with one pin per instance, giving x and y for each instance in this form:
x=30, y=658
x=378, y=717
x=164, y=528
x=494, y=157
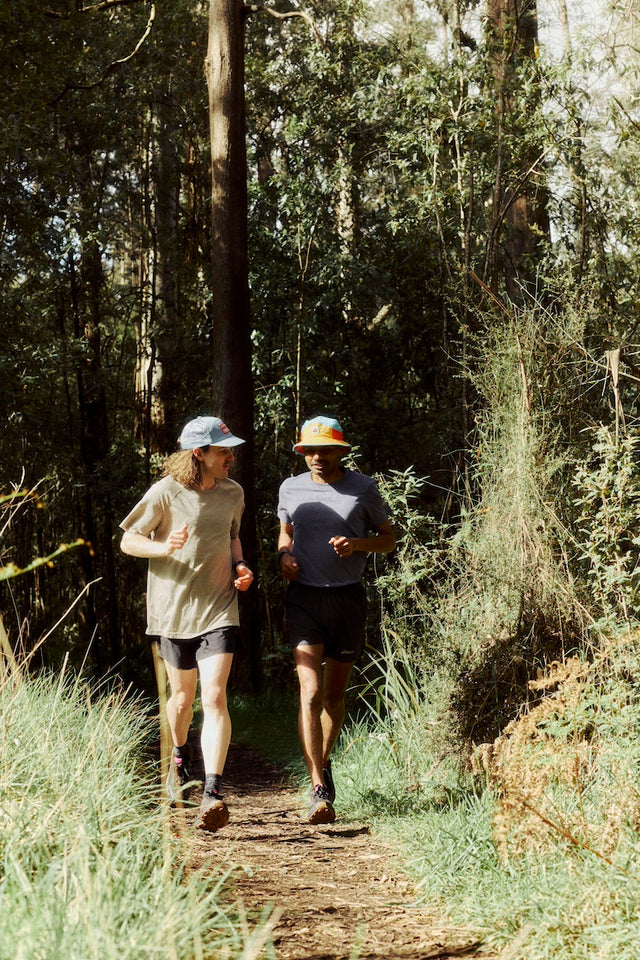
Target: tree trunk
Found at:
x=142, y=278
x=520, y=215
x=160, y=363
x=161, y=366
x=169, y=376
x=94, y=445
x=231, y=385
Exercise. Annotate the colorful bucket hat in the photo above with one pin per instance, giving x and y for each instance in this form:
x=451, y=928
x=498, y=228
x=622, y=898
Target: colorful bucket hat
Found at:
x=320, y=432
x=207, y=432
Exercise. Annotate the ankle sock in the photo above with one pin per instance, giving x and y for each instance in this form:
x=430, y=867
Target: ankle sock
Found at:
x=213, y=783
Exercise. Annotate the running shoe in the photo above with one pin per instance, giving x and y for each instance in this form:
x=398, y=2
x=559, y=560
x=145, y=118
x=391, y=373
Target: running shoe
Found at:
x=179, y=778
x=321, y=809
x=213, y=812
x=327, y=776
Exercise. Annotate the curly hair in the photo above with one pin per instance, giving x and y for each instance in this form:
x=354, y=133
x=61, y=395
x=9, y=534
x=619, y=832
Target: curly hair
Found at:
x=184, y=467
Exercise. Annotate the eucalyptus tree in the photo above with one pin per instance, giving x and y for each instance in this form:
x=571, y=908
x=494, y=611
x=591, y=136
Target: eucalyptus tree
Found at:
x=81, y=204
x=60, y=164
x=520, y=188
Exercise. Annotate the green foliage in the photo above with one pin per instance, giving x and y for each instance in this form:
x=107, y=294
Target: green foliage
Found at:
x=77, y=130
x=380, y=174
x=417, y=534
x=385, y=173
x=538, y=853
x=393, y=758
x=483, y=599
x=608, y=521
x=327, y=206
x=89, y=868
x=268, y=724
x=537, y=857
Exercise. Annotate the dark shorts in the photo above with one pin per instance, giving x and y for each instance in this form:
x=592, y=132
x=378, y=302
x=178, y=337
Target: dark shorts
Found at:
x=331, y=616
x=184, y=654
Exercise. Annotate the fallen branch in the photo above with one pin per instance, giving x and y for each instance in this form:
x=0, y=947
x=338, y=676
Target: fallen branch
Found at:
x=11, y=570
x=576, y=841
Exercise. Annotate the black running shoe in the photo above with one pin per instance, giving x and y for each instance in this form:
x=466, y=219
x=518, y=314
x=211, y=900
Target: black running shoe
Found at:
x=213, y=812
x=321, y=809
x=179, y=779
x=327, y=776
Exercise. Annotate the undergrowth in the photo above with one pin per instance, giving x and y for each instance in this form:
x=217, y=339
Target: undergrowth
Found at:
x=88, y=865
x=535, y=846
x=498, y=748
x=268, y=724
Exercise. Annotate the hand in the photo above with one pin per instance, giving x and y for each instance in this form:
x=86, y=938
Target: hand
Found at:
x=177, y=540
x=288, y=566
x=244, y=578
x=342, y=546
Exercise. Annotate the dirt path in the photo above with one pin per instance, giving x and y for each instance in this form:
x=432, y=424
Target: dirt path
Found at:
x=334, y=889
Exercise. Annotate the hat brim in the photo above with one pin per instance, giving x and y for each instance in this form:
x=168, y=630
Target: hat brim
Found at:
x=228, y=442
x=299, y=447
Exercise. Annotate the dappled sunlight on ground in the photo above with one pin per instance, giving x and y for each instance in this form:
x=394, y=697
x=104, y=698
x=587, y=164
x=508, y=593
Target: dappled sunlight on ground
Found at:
x=333, y=890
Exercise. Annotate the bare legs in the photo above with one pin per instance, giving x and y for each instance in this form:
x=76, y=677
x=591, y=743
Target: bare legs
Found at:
x=216, y=727
x=180, y=704
x=322, y=706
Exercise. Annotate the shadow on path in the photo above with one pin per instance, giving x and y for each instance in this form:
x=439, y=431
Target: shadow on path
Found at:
x=334, y=888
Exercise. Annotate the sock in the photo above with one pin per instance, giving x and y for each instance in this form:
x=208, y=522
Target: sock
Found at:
x=181, y=754
x=213, y=783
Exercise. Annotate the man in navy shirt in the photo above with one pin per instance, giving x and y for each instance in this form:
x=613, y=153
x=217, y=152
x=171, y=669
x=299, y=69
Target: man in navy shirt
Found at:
x=327, y=516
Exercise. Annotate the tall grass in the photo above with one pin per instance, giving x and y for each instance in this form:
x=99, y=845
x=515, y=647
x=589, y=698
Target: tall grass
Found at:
x=88, y=866
x=538, y=852
x=500, y=749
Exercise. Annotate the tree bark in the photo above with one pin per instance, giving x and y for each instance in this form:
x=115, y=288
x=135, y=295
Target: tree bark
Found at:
x=231, y=381
x=520, y=214
x=168, y=382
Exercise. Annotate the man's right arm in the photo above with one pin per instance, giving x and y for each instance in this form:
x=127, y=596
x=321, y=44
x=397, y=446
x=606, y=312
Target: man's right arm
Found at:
x=137, y=545
x=288, y=563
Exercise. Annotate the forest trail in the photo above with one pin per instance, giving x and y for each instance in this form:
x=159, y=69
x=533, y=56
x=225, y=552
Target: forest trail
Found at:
x=334, y=890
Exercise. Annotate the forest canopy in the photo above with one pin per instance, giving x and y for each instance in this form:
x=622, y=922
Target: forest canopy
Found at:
x=442, y=247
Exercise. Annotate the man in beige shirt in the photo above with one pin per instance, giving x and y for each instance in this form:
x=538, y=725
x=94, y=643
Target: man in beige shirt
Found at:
x=187, y=525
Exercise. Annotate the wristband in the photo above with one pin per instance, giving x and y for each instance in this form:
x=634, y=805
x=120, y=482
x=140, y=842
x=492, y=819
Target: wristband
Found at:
x=282, y=552
x=239, y=563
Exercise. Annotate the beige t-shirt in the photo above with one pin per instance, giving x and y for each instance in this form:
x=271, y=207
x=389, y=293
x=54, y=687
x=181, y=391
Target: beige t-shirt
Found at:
x=190, y=592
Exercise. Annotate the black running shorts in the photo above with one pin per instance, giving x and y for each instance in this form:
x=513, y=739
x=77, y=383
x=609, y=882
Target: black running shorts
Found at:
x=332, y=616
x=184, y=654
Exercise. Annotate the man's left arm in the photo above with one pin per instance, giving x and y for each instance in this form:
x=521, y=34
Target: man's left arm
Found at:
x=383, y=541
x=243, y=575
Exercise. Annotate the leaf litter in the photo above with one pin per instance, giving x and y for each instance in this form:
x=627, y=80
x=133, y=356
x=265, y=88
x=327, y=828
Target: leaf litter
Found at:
x=332, y=892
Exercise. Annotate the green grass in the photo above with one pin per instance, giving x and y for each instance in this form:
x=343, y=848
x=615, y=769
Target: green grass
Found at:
x=573, y=895
x=566, y=904
x=88, y=866
x=268, y=724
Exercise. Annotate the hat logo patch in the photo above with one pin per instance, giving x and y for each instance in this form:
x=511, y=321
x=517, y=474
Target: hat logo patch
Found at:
x=315, y=428
x=224, y=428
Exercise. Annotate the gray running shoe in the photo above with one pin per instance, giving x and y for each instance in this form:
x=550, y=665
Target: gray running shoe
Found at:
x=213, y=812
x=321, y=809
x=179, y=779
x=327, y=776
